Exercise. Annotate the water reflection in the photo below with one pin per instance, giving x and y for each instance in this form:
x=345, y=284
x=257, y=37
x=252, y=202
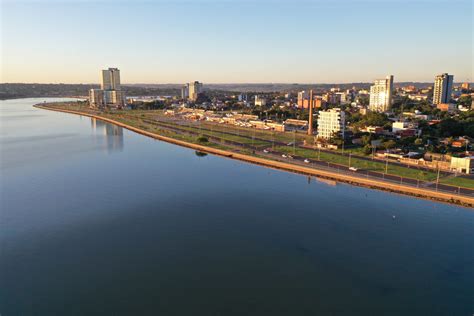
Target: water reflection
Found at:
x=113, y=135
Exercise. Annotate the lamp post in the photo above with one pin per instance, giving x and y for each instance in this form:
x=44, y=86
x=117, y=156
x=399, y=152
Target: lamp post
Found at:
x=294, y=142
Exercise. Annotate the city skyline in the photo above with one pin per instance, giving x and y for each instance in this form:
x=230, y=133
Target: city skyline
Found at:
x=236, y=41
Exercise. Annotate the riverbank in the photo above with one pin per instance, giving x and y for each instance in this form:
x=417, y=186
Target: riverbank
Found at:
x=346, y=178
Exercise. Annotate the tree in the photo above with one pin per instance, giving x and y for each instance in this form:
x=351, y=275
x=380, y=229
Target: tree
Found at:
x=389, y=144
x=450, y=127
x=367, y=149
x=418, y=141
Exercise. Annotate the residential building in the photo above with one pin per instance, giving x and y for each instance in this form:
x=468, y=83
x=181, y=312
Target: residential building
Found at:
x=243, y=97
x=303, y=99
x=418, y=97
x=331, y=122
x=110, y=79
x=195, y=88
x=405, y=129
x=96, y=97
x=332, y=98
x=443, y=88
x=381, y=94
x=185, y=91
x=446, y=107
x=465, y=86
x=114, y=97
x=110, y=93
x=259, y=101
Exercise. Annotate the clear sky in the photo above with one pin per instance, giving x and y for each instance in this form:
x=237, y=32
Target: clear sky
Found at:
x=236, y=41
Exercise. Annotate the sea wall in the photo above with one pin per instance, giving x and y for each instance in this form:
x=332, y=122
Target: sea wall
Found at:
x=370, y=183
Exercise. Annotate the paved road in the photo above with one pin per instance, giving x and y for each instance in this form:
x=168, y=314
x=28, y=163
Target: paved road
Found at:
x=317, y=164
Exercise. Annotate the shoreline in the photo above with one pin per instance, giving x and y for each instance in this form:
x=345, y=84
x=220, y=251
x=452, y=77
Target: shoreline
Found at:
x=358, y=181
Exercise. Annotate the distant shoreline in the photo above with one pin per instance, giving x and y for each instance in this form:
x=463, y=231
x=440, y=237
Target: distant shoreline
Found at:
x=358, y=181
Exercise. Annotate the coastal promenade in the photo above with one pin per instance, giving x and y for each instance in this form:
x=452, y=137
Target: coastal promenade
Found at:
x=354, y=179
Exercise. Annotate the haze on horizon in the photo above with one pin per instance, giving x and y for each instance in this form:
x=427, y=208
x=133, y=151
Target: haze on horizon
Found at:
x=236, y=41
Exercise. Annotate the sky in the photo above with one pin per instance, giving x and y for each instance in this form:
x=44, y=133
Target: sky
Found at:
x=236, y=41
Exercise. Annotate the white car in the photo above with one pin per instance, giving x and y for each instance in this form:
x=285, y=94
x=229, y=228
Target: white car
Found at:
x=306, y=161
x=352, y=169
x=291, y=157
x=265, y=151
x=284, y=156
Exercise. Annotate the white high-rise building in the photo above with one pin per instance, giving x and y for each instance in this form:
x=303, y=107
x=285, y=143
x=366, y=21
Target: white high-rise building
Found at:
x=381, y=95
x=443, y=87
x=331, y=122
x=110, y=79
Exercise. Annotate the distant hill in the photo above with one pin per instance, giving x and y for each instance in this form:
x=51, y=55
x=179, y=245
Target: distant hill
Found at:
x=31, y=90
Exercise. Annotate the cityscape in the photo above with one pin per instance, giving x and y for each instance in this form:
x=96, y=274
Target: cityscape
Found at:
x=407, y=125
x=272, y=157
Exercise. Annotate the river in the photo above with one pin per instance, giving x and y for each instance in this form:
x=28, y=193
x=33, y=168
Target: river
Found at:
x=98, y=220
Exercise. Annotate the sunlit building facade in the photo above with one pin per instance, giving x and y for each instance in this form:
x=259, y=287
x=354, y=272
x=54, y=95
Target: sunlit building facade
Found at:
x=381, y=95
x=331, y=123
x=443, y=88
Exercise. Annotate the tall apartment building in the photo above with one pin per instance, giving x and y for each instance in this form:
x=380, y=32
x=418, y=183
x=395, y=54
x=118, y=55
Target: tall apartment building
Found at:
x=381, y=94
x=331, y=122
x=110, y=79
x=443, y=87
x=185, y=91
x=110, y=93
x=195, y=88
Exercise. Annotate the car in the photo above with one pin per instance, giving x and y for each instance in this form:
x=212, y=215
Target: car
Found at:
x=306, y=161
x=289, y=144
x=265, y=151
x=284, y=156
x=353, y=169
x=291, y=157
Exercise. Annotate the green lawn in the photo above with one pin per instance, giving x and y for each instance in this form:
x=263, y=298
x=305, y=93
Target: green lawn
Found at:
x=459, y=182
x=360, y=163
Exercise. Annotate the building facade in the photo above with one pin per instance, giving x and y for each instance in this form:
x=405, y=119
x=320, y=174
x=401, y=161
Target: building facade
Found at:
x=110, y=79
x=110, y=93
x=96, y=97
x=331, y=123
x=260, y=101
x=185, y=91
x=381, y=95
x=443, y=88
x=195, y=88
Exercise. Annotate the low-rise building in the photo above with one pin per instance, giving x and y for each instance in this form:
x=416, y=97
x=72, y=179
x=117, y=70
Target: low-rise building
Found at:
x=292, y=124
x=446, y=107
x=463, y=164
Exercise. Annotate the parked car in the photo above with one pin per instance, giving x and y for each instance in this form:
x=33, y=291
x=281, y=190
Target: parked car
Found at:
x=306, y=161
x=353, y=169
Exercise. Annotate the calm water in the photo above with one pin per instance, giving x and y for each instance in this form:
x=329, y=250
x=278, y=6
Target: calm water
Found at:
x=96, y=220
